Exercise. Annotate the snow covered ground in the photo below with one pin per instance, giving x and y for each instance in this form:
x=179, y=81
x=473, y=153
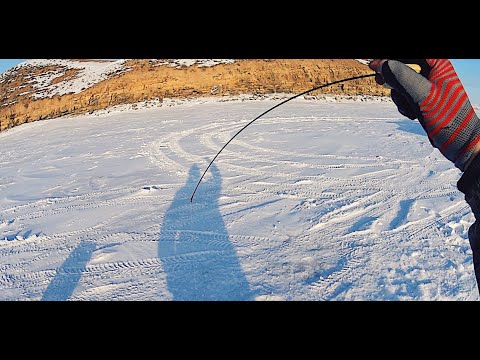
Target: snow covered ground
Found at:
x=316, y=201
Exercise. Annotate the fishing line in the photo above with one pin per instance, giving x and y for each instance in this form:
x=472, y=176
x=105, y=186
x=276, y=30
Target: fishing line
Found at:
x=272, y=108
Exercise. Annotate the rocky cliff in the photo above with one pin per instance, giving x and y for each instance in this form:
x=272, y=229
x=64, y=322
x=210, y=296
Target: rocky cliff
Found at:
x=41, y=89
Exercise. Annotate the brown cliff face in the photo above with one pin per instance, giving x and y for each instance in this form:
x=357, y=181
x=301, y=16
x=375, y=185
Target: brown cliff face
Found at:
x=141, y=80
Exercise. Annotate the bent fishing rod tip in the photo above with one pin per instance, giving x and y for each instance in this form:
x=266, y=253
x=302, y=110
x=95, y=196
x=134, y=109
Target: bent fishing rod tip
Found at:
x=272, y=108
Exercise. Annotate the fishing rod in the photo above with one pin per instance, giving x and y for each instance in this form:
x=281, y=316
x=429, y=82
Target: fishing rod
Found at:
x=272, y=108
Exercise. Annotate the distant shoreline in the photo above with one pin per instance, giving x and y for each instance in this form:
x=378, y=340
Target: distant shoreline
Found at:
x=170, y=102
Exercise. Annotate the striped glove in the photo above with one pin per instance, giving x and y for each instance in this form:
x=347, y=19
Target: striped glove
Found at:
x=436, y=98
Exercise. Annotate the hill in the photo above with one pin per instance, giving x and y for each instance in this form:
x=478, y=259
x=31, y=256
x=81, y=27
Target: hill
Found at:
x=43, y=89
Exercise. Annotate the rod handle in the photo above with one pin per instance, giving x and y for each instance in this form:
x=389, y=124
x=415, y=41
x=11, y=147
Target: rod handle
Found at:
x=414, y=67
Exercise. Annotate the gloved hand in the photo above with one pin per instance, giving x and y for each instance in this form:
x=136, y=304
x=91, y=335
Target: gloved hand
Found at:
x=436, y=98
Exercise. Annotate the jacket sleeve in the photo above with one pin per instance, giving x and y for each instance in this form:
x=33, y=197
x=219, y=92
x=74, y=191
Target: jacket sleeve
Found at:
x=469, y=184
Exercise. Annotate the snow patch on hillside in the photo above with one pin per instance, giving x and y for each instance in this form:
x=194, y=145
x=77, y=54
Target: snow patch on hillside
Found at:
x=364, y=61
x=89, y=73
x=178, y=63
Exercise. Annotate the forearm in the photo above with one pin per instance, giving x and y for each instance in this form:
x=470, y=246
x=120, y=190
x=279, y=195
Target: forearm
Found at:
x=469, y=184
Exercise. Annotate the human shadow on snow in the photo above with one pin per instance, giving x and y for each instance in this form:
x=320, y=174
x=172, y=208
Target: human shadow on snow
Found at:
x=65, y=281
x=409, y=126
x=194, y=246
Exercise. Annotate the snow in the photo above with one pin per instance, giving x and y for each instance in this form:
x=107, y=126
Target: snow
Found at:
x=169, y=102
x=177, y=63
x=318, y=200
x=364, y=61
x=90, y=73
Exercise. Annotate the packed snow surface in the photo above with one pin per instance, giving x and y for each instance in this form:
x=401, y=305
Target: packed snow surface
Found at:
x=317, y=201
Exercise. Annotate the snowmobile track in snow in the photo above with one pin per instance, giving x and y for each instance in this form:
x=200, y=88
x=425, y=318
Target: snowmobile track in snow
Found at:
x=302, y=206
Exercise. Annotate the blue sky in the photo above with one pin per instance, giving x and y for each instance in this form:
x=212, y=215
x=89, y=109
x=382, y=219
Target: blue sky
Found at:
x=468, y=70
x=6, y=64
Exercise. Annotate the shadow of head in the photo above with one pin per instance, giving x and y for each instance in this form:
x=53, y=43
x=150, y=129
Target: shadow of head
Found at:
x=208, y=188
